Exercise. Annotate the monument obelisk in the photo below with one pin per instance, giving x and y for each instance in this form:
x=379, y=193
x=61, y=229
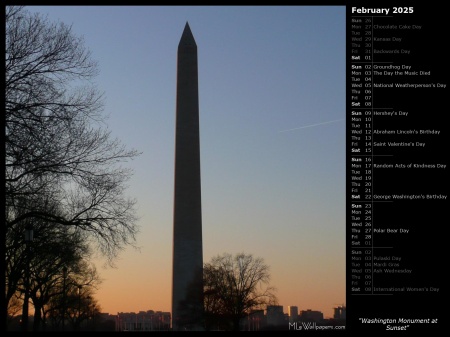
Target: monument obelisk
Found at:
x=187, y=280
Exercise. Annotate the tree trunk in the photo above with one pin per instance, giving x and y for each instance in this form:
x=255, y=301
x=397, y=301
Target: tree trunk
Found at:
x=37, y=318
x=236, y=323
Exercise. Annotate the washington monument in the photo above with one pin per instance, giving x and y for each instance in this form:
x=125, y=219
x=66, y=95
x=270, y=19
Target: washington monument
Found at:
x=187, y=273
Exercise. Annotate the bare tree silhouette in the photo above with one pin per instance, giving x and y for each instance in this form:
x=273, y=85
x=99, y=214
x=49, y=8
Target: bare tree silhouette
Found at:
x=233, y=287
x=58, y=150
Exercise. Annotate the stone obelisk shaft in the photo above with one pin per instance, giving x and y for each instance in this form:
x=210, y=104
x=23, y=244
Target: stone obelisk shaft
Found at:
x=187, y=288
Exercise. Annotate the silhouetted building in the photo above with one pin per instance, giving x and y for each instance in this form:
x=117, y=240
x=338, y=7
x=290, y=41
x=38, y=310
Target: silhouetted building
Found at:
x=143, y=321
x=255, y=321
x=275, y=315
x=187, y=274
x=340, y=312
x=293, y=313
x=310, y=316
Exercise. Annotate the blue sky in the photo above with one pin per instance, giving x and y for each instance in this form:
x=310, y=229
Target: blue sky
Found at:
x=272, y=134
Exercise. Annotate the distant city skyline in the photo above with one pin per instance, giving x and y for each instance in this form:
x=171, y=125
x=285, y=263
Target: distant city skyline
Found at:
x=272, y=134
x=155, y=320
x=257, y=320
x=285, y=309
x=155, y=310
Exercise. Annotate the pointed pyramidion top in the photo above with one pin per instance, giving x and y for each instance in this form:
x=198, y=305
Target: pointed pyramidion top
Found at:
x=187, y=39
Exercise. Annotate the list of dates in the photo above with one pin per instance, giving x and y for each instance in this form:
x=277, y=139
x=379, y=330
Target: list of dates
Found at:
x=397, y=164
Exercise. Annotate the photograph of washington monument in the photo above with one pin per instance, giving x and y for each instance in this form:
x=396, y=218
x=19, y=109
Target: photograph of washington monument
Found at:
x=175, y=167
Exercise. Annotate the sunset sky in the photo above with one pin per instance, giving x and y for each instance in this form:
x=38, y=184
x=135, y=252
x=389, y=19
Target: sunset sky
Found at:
x=272, y=134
